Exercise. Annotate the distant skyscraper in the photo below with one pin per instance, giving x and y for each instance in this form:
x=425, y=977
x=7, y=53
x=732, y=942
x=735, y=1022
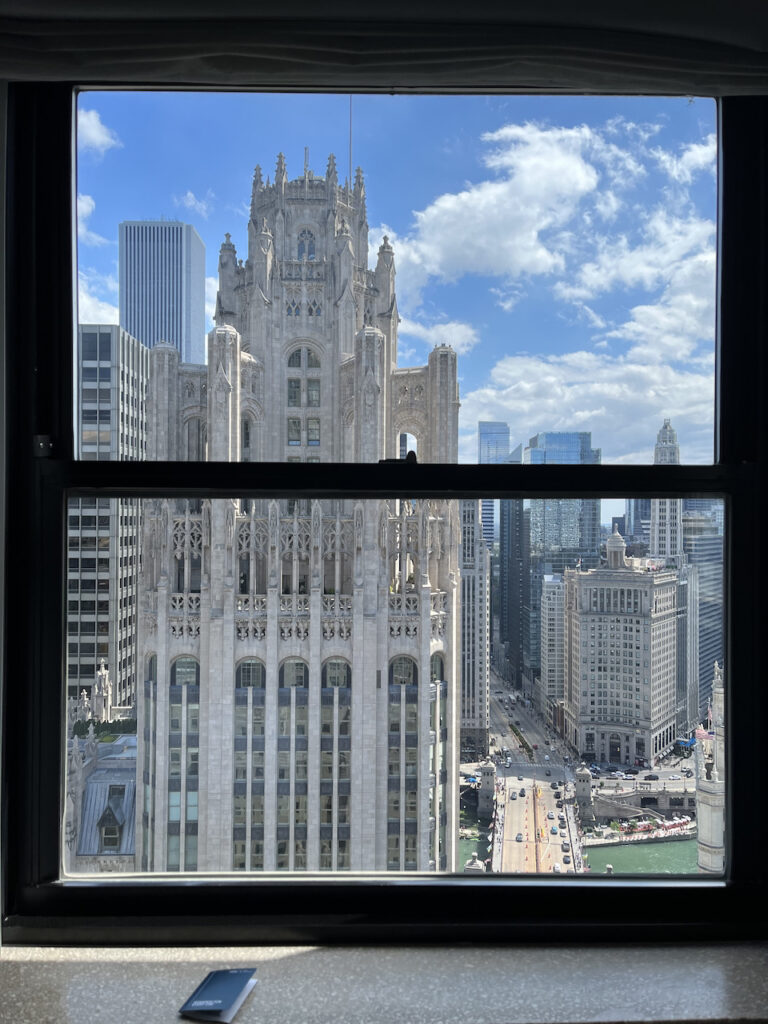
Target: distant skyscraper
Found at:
x=564, y=532
x=514, y=579
x=492, y=448
x=666, y=544
x=703, y=546
x=637, y=519
x=474, y=566
x=162, y=285
x=103, y=533
x=666, y=513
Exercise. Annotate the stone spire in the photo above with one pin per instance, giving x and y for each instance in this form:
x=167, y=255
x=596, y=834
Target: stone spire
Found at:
x=258, y=185
x=281, y=175
x=331, y=175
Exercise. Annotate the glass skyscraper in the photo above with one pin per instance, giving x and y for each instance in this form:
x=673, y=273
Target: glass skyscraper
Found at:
x=492, y=448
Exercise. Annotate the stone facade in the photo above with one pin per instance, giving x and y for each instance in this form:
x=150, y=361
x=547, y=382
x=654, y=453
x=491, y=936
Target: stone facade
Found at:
x=300, y=707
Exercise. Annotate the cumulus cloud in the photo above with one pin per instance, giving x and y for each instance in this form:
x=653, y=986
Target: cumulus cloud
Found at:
x=85, y=207
x=93, y=135
x=189, y=201
x=95, y=291
x=622, y=401
x=211, y=291
x=695, y=157
x=460, y=336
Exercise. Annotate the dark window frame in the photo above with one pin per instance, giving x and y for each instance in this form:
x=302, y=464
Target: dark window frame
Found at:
x=37, y=907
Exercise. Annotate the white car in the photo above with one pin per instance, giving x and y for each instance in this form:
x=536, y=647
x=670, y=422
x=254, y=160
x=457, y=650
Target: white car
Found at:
x=675, y=776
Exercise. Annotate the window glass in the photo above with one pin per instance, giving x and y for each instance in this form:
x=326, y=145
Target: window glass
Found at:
x=604, y=261
x=482, y=633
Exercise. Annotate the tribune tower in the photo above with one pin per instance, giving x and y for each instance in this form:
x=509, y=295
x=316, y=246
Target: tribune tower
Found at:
x=300, y=659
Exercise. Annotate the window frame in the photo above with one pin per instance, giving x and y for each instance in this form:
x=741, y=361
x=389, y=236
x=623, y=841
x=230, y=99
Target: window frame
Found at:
x=37, y=907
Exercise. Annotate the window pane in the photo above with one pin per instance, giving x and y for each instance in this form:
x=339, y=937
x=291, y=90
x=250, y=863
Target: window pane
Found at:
x=557, y=267
x=583, y=687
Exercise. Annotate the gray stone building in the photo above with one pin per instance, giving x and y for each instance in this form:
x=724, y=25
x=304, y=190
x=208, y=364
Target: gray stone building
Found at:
x=300, y=709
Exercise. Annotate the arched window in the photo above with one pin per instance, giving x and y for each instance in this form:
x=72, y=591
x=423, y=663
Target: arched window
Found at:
x=337, y=672
x=403, y=671
x=313, y=361
x=294, y=359
x=306, y=248
x=151, y=669
x=250, y=673
x=185, y=671
x=437, y=668
x=294, y=672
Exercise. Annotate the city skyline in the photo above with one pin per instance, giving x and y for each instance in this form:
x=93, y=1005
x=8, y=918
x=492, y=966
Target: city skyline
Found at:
x=595, y=310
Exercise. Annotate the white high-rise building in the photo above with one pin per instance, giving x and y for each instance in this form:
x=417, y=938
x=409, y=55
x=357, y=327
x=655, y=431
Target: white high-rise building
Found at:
x=621, y=650
x=301, y=660
x=162, y=285
x=666, y=539
x=667, y=548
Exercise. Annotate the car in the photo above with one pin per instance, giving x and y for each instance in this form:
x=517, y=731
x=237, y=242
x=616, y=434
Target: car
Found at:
x=522, y=791
x=556, y=868
x=675, y=776
x=535, y=746
x=651, y=777
x=519, y=837
x=547, y=772
x=546, y=757
x=553, y=785
x=688, y=773
x=566, y=847
x=559, y=803
x=561, y=816
x=595, y=775
x=566, y=859
x=617, y=775
x=513, y=795
x=509, y=762
x=553, y=830
x=519, y=778
x=517, y=721
x=551, y=815
x=558, y=795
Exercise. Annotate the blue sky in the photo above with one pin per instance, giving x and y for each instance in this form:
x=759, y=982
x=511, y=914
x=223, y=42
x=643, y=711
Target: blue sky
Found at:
x=564, y=246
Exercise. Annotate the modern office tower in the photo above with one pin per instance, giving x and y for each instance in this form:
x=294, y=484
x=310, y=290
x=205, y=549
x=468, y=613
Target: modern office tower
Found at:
x=552, y=637
x=638, y=520
x=514, y=579
x=710, y=782
x=703, y=546
x=621, y=641
x=474, y=563
x=666, y=539
x=714, y=508
x=301, y=701
x=492, y=449
x=564, y=532
x=103, y=533
x=162, y=285
x=666, y=546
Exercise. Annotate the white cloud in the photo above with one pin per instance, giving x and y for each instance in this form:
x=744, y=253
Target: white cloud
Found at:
x=211, y=291
x=93, y=135
x=460, y=336
x=622, y=401
x=695, y=157
x=189, y=201
x=667, y=240
x=85, y=207
x=93, y=300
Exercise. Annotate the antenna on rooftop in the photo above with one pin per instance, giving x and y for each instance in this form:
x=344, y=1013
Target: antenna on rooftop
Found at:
x=349, y=178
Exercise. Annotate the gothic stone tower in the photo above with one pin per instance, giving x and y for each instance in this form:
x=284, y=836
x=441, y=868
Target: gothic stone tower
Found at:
x=300, y=701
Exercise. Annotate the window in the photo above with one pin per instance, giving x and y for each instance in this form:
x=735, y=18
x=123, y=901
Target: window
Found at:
x=614, y=478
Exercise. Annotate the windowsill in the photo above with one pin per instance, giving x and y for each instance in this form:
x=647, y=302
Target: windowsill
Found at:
x=464, y=985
